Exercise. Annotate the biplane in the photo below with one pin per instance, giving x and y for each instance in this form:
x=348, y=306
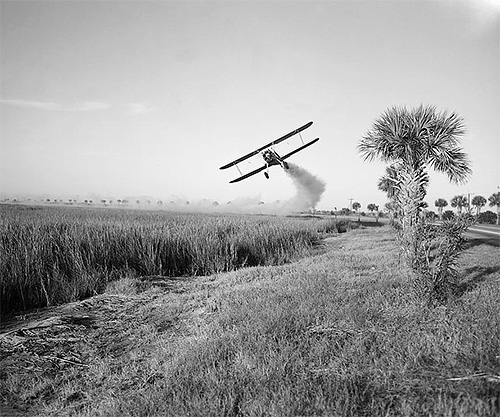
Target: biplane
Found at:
x=270, y=156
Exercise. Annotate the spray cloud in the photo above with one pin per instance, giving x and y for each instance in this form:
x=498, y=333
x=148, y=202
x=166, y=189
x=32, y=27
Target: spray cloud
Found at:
x=309, y=189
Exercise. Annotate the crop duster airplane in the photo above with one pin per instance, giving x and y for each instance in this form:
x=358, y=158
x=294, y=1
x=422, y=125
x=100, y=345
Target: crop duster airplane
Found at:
x=270, y=156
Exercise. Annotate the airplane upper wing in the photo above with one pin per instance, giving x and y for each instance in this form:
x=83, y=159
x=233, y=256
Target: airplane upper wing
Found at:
x=249, y=174
x=288, y=135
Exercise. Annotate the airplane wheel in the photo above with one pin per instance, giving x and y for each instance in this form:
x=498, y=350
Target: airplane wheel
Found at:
x=266, y=175
x=285, y=165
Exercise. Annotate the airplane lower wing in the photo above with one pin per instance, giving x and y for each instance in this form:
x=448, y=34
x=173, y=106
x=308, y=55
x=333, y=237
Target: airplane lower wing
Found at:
x=299, y=149
x=249, y=174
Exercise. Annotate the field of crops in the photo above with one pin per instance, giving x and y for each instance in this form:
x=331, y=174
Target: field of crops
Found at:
x=52, y=255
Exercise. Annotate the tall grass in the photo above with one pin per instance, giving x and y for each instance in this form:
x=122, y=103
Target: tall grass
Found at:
x=339, y=334
x=57, y=255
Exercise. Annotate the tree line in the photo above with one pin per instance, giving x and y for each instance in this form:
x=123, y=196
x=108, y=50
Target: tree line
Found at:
x=461, y=202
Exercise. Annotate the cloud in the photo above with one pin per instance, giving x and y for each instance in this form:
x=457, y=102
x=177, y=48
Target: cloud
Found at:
x=140, y=108
x=89, y=106
x=83, y=106
x=43, y=105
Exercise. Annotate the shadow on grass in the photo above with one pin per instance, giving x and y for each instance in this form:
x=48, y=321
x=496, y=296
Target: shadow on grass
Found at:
x=485, y=240
x=369, y=223
x=476, y=275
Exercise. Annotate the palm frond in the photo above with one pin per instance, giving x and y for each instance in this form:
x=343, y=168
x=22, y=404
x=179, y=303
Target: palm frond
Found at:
x=416, y=138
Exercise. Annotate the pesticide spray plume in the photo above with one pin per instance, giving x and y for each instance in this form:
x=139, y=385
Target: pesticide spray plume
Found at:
x=309, y=189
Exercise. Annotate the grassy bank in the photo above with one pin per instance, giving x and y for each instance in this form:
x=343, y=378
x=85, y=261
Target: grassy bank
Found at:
x=334, y=334
x=53, y=255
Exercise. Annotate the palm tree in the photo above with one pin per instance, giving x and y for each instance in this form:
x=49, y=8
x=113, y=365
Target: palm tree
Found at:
x=413, y=140
x=494, y=200
x=388, y=182
x=459, y=202
x=372, y=207
x=478, y=201
x=356, y=206
x=440, y=203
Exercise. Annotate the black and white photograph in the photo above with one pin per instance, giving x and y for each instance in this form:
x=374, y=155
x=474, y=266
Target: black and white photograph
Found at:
x=250, y=208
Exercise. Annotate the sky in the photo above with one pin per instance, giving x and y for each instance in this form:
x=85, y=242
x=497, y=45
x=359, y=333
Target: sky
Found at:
x=148, y=99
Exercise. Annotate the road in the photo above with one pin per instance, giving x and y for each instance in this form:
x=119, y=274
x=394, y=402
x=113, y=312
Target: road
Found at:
x=489, y=234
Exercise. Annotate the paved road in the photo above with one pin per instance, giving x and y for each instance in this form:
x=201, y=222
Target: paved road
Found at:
x=479, y=234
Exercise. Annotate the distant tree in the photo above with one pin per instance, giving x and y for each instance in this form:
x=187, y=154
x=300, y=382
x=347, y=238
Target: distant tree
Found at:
x=372, y=207
x=103, y=201
x=494, y=200
x=478, y=201
x=215, y=204
x=159, y=202
x=356, y=206
x=440, y=203
x=137, y=201
x=459, y=202
x=119, y=201
x=48, y=200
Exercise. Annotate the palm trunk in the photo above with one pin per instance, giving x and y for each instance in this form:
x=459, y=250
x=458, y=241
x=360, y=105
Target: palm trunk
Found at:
x=411, y=193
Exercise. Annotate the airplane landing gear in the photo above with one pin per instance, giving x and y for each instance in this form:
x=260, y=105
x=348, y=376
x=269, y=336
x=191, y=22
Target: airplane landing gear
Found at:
x=266, y=175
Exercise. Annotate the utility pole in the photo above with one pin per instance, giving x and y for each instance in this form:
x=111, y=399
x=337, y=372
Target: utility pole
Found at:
x=468, y=202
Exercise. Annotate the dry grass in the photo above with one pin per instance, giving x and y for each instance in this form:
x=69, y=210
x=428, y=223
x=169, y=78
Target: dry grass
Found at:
x=335, y=334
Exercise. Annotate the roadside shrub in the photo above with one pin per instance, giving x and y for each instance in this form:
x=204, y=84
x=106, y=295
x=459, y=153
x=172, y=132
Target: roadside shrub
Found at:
x=448, y=215
x=430, y=215
x=439, y=248
x=487, y=217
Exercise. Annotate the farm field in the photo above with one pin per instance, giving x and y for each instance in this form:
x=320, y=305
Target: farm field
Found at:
x=338, y=332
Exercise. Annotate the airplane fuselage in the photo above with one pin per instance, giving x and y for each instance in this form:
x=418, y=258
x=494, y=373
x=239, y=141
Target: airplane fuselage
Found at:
x=271, y=158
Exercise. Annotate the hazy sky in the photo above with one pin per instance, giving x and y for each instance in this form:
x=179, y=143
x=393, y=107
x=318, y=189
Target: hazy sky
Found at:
x=150, y=98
